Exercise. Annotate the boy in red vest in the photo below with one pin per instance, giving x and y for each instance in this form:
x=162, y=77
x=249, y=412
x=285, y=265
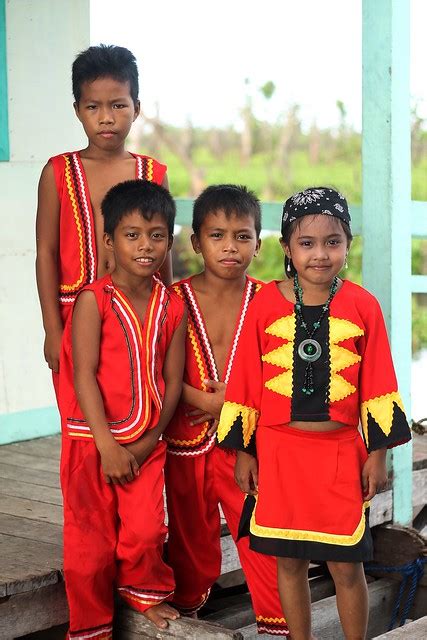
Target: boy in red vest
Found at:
x=200, y=475
x=122, y=362
x=69, y=229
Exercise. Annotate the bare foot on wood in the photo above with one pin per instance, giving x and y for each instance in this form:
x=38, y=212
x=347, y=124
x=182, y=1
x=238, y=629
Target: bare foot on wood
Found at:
x=159, y=614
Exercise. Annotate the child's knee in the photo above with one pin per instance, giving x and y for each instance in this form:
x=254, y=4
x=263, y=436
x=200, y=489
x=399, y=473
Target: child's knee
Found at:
x=292, y=566
x=347, y=574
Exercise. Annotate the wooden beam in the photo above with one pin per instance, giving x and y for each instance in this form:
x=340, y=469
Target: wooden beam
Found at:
x=416, y=630
x=131, y=622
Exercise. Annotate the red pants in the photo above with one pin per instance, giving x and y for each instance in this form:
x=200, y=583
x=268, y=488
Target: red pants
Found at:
x=113, y=537
x=195, y=487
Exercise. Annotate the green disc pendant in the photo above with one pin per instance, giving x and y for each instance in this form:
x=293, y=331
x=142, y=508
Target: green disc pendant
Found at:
x=309, y=350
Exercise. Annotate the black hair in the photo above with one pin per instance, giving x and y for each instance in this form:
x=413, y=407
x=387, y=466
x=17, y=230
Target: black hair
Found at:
x=147, y=198
x=231, y=199
x=105, y=61
x=289, y=230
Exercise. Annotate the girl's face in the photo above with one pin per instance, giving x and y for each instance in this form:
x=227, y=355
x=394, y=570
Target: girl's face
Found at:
x=318, y=248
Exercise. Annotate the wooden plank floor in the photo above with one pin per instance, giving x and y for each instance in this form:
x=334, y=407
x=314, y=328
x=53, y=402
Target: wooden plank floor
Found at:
x=31, y=514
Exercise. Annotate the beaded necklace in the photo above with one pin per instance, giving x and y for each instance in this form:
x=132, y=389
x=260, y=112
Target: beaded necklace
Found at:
x=310, y=350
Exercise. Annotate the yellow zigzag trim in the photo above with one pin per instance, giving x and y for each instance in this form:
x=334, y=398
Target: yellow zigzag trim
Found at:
x=201, y=369
x=230, y=411
x=150, y=170
x=311, y=536
x=272, y=620
x=340, y=357
x=70, y=287
x=283, y=328
x=282, y=356
x=340, y=330
x=281, y=384
x=381, y=409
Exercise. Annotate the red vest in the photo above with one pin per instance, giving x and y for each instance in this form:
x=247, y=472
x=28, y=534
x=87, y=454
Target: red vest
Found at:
x=183, y=438
x=131, y=357
x=77, y=257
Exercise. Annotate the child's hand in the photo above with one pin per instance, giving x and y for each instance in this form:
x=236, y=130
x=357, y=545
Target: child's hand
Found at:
x=142, y=448
x=216, y=399
x=52, y=349
x=118, y=464
x=374, y=474
x=246, y=473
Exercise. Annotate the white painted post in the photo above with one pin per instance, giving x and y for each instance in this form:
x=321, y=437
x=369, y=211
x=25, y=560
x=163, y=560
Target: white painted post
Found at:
x=386, y=209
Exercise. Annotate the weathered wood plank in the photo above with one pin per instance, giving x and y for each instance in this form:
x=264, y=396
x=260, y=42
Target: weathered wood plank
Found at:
x=37, y=610
x=30, y=491
x=230, y=558
x=35, y=476
x=32, y=551
x=416, y=630
x=326, y=624
x=39, y=511
x=49, y=447
x=28, y=461
x=184, y=628
x=19, y=577
x=30, y=529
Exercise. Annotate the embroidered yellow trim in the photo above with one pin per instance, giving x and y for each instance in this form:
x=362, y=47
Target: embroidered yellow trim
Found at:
x=381, y=409
x=283, y=328
x=230, y=411
x=281, y=357
x=340, y=330
x=340, y=357
x=197, y=355
x=150, y=169
x=271, y=620
x=281, y=384
x=311, y=536
x=70, y=287
x=188, y=442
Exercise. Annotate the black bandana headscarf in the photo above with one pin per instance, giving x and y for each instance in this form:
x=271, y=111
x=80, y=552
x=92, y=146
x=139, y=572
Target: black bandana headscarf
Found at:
x=315, y=200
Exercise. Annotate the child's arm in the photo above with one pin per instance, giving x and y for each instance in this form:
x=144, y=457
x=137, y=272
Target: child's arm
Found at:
x=118, y=464
x=173, y=370
x=246, y=473
x=166, y=270
x=374, y=474
x=208, y=405
x=47, y=235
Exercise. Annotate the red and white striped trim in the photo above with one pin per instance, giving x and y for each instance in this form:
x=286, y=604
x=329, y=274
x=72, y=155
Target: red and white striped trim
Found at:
x=87, y=213
x=105, y=632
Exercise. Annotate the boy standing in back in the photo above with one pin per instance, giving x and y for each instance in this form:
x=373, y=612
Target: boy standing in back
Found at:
x=200, y=475
x=69, y=229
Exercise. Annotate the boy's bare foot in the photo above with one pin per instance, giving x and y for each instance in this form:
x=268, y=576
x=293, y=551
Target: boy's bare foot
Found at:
x=159, y=614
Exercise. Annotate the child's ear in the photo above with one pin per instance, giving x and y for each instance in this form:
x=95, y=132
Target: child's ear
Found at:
x=257, y=248
x=76, y=109
x=195, y=242
x=170, y=243
x=137, y=107
x=108, y=241
x=285, y=248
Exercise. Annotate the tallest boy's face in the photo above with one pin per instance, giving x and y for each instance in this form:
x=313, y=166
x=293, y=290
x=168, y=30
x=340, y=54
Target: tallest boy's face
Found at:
x=106, y=111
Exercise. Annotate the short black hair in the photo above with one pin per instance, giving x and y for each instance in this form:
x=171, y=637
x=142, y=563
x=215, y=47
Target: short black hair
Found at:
x=232, y=199
x=147, y=198
x=288, y=232
x=105, y=61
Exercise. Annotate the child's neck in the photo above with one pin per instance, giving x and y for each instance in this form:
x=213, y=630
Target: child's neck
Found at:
x=217, y=285
x=92, y=152
x=314, y=294
x=132, y=285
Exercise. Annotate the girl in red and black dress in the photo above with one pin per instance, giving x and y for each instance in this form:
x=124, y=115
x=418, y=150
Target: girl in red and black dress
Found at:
x=313, y=363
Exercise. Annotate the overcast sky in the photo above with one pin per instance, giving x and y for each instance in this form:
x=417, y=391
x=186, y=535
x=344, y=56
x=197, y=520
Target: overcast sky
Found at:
x=195, y=55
